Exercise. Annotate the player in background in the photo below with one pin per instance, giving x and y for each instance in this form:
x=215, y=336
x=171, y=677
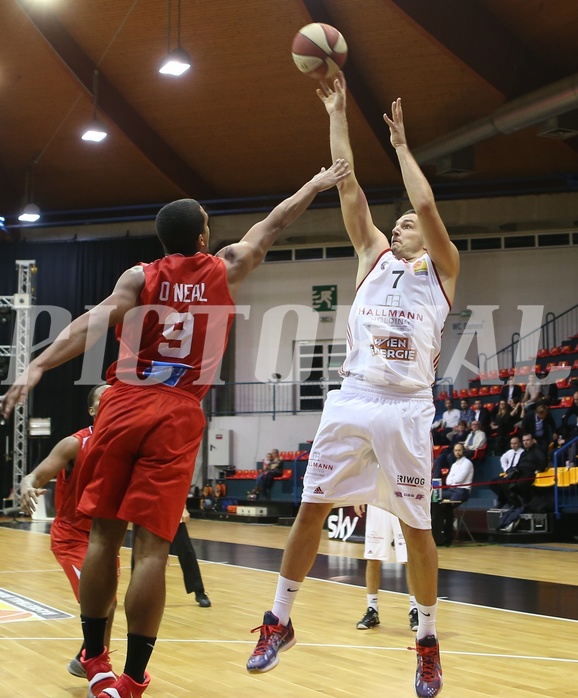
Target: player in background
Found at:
x=384, y=542
x=70, y=529
x=172, y=319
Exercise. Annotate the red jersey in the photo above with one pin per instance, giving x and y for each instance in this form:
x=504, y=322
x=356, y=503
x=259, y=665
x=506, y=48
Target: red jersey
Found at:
x=65, y=498
x=178, y=333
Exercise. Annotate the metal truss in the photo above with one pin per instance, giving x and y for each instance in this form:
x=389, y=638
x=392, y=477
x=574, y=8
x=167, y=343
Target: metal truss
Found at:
x=21, y=302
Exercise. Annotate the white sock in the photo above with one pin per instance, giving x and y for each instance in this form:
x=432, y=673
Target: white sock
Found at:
x=284, y=598
x=412, y=603
x=427, y=621
x=372, y=602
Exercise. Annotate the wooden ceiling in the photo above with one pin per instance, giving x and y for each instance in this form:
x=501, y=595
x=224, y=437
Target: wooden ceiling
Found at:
x=243, y=123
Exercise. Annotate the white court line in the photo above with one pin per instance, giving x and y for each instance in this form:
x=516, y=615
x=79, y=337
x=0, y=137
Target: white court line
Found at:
x=357, y=586
x=362, y=648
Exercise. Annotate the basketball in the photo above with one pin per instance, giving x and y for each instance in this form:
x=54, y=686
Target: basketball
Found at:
x=319, y=50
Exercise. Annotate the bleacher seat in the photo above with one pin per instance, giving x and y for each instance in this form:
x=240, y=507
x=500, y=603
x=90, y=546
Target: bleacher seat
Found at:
x=545, y=478
x=480, y=453
x=473, y=392
x=484, y=390
x=504, y=373
x=575, y=365
x=495, y=390
x=554, y=351
x=566, y=402
x=523, y=370
x=563, y=383
x=542, y=353
x=489, y=406
x=443, y=395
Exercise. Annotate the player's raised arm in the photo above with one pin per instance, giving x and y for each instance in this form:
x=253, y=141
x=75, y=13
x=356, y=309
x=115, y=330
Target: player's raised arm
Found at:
x=78, y=336
x=242, y=257
x=436, y=239
x=367, y=239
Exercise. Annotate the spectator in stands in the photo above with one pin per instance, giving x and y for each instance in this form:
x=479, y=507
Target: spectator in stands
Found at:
x=508, y=460
x=517, y=412
x=277, y=463
x=482, y=415
x=466, y=412
x=272, y=468
x=568, y=430
x=540, y=424
x=533, y=391
x=519, y=480
x=446, y=458
x=459, y=484
x=475, y=439
x=448, y=421
x=502, y=424
x=511, y=392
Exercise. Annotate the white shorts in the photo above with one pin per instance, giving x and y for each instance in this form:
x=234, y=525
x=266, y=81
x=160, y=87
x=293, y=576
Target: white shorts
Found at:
x=373, y=446
x=383, y=537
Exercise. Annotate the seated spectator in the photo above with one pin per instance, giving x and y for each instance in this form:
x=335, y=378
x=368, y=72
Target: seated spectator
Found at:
x=272, y=468
x=276, y=464
x=482, y=415
x=533, y=391
x=446, y=458
x=517, y=412
x=475, y=439
x=511, y=392
x=458, y=435
x=457, y=491
x=567, y=429
x=518, y=482
x=502, y=424
x=466, y=412
x=508, y=460
x=541, y=425
x=448, y=421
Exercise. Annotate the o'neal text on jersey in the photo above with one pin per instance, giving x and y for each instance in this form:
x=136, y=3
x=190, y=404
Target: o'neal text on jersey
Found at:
x=182, y=293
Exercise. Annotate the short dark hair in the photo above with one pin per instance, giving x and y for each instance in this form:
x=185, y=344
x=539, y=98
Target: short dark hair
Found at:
x=179, y=225
x=409, y=210
x=90, y=398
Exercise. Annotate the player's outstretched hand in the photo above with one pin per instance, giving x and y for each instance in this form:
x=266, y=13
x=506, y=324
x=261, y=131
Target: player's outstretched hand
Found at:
x=333, y=96
x=396, y=127
x=325, y=179
x=29, y=497
x=18, y=392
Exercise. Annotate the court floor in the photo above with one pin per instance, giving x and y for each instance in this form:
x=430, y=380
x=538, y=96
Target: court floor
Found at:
x=508, y=621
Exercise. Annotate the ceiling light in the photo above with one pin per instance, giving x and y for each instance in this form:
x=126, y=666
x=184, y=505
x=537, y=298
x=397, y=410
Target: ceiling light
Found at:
x=30, y=214
x=178, y=60
x=96, y=131
x=176, y=63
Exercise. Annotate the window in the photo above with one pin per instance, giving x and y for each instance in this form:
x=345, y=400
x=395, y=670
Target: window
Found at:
x=317, y=371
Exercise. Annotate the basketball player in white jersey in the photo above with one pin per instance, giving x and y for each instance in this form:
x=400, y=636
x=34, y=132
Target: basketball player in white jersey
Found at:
x=373, y=443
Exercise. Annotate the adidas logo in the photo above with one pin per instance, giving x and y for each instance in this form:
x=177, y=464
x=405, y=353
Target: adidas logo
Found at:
x=318, y=490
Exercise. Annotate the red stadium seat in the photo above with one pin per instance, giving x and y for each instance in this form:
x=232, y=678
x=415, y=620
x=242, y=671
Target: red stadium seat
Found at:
x=464, y=393
x=489, y=406
x=484, y=390
x=473, y=392
x=495, y=390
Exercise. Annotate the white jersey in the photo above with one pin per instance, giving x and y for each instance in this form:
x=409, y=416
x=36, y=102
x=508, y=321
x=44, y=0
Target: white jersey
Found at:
x=395, y=324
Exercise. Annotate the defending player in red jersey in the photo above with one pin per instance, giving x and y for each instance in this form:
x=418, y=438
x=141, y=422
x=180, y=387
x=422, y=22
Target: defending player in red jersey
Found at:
x=175, y=315
x=70, y=529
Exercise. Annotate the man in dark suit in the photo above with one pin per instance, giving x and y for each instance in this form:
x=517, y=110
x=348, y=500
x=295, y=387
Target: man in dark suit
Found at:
x=569, y=430
x=519, y=480
x=483, y=416
x=541, y=425
x=511, y=391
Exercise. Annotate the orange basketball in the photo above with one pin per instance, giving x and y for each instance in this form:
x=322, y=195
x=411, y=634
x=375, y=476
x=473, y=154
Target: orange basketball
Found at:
x=319, y=50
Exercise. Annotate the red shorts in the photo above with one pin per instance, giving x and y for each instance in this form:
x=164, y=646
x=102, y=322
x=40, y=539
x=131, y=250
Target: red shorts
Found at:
x=69, y=546
x=141, y=459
